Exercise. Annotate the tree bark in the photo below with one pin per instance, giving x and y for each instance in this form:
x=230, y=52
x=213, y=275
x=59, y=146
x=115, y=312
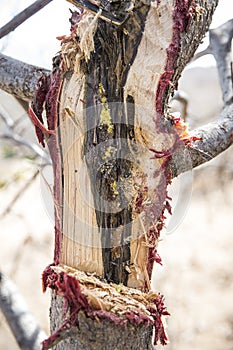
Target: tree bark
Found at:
x=19, y=78
x=112, y=141
x=105, y=139
x=115, y=147
x=94, y=335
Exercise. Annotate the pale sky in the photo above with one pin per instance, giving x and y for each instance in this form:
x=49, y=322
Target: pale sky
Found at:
x=35, y=40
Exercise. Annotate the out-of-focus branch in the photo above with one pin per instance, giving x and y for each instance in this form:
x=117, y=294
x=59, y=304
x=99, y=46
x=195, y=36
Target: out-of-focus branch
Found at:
x=22, y=323
x=220, y=47
x=19, y=78
x=6, y=118
x=21, y=141
x=181, y=97
x=11, y=134
x=220, y=43
x=19, y=194
x=202, y=53
x=23, y=16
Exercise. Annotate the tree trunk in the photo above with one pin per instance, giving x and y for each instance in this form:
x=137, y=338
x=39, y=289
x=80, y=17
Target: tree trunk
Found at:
x=111, y=137
x=95, y=335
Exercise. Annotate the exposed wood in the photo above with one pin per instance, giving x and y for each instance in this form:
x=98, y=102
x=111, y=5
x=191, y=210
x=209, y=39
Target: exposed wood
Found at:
x=95, y=220
x=81, y=246
x=109, y=129
x=117, y=147
x=107, y=315
x=116, y=136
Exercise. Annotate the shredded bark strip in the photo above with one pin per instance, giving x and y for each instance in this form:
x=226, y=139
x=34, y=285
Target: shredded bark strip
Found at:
x=111, y=137
x=98, y=299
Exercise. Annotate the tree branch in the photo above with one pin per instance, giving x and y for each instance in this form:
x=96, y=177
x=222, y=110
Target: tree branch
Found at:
x=23, y=325
x=23, y=16
x=19, y=78
x=220, y=47
x=220, y=43
x=207, y=51
x=11, y=134
x=19, y=194
x=215, y=137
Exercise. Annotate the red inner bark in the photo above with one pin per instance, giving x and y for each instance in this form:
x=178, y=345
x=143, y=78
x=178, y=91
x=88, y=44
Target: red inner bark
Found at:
x=75, y=300
x=181, y=17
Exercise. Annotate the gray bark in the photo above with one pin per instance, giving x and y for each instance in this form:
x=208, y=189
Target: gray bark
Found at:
x=96, y=335
x=19, y=78
x=215, y=138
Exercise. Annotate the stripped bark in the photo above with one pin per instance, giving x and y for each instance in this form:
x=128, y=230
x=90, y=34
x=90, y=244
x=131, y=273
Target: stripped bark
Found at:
x=107, y=315
x=121, y=242
x=25, y=88
x=111, y=137
x=103, y=81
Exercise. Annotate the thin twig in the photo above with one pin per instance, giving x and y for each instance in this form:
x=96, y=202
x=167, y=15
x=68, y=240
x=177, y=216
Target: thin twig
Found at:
x=21, y=141
x=181, y=97
x=26, y=331
x=11, y=134
x=23, y=16
x=6, y=118
x=207, y=51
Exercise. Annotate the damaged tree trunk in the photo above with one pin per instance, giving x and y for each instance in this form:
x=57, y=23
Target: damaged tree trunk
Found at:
x=111, y=137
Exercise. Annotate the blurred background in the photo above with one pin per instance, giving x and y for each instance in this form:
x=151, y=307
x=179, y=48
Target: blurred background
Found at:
x=196, y=249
